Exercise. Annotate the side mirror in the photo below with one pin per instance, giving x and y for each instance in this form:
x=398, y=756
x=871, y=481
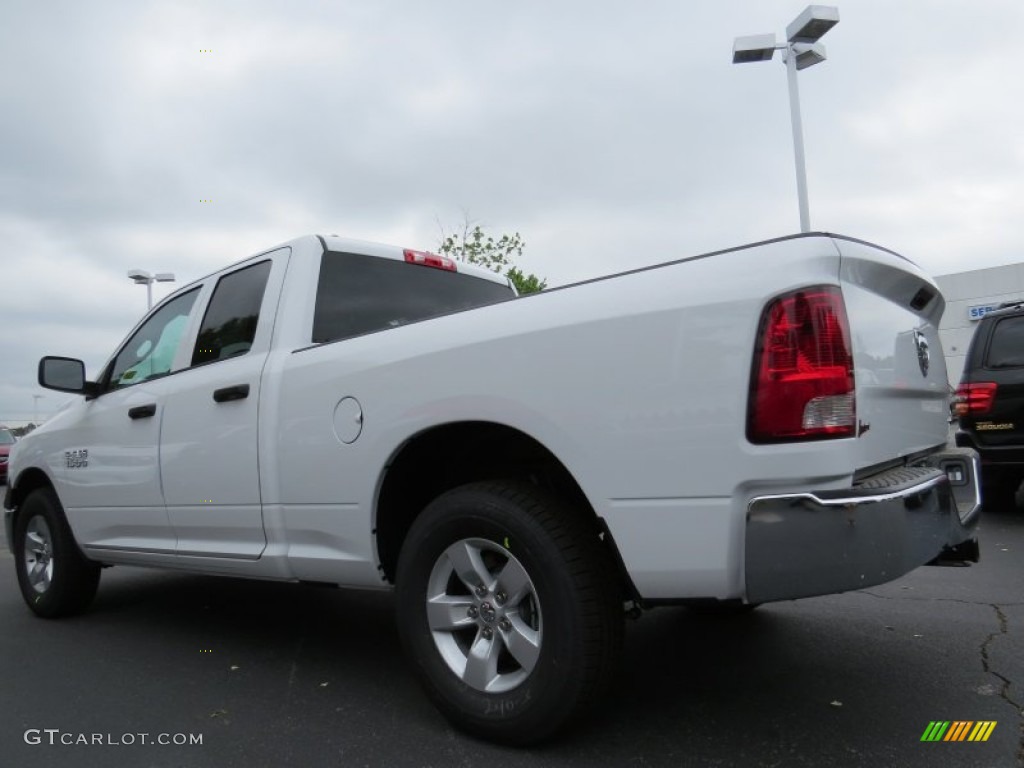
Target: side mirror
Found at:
x=64, y=374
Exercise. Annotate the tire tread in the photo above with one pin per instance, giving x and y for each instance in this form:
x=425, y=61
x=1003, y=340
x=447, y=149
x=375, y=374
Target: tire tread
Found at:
x=595, y=585
x=76, y=578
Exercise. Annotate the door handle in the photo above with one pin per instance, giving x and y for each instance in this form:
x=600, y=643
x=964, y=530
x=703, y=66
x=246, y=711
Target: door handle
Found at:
x=142, y=411
x=237, y=392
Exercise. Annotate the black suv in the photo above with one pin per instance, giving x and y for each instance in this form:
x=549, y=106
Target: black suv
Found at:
x=990, y=403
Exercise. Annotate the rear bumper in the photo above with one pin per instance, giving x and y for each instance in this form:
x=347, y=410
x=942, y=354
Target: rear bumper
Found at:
x=817, y=543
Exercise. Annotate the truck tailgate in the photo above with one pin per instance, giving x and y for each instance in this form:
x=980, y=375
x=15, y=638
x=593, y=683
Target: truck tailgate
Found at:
x=894, y=311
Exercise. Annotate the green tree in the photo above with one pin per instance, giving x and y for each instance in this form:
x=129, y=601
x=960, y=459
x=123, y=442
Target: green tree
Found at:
x=475, y=246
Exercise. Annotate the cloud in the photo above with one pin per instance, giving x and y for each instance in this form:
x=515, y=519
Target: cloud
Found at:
x=609, y=135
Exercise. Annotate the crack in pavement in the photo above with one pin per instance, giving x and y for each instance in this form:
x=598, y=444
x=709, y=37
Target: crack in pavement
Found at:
x=1004, y=692
x=1003, y=630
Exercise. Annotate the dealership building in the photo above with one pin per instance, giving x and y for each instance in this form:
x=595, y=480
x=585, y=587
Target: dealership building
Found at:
x=969, y=296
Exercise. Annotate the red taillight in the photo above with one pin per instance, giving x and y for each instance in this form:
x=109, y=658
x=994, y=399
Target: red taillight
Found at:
x=975, y=399
x=802, y=385
x=430, y=260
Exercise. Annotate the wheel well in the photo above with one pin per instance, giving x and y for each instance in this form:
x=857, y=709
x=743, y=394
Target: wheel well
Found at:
x=28, y=481
x=446, y=457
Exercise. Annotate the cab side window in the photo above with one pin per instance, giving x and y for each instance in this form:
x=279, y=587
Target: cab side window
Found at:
x=229, y=326
x=150, y=351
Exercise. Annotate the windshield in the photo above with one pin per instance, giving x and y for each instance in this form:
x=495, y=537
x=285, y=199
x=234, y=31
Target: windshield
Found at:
x=6, y=438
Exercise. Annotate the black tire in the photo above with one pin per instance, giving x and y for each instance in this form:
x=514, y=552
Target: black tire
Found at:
x=54, y=577
x=565, y=618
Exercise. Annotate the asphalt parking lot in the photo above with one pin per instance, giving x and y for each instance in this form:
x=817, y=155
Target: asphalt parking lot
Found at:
x=285, y=675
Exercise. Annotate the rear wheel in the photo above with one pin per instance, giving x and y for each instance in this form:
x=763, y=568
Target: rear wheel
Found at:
x=54, y=577
x=509, y=611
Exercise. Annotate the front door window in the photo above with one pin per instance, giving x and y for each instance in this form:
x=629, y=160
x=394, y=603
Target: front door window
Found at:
x=150, y=351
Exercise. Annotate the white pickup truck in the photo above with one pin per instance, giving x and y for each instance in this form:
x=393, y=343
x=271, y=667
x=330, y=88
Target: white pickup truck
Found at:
x=758, y=424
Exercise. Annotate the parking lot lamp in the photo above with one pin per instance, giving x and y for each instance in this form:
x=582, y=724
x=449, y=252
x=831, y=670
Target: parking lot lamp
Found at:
x=141, y=277
x=801, y=50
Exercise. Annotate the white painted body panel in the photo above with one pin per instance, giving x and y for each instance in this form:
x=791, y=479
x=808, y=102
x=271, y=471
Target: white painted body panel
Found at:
x=904, y=408
x=116, y=501
x=209, y=451
x=209, y=463
x=637, y=383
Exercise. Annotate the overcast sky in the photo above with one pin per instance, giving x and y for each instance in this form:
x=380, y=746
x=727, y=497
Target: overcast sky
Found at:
x=608, y=134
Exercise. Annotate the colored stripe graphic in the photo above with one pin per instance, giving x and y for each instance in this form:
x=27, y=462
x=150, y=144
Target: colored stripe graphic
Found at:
x=958, y=730
x=982, y=730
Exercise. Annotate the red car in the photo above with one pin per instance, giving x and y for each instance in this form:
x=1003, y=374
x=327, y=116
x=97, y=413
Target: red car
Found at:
x=6, y=441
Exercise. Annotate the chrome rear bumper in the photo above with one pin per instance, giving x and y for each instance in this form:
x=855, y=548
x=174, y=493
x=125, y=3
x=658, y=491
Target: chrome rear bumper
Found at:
x=818, y=543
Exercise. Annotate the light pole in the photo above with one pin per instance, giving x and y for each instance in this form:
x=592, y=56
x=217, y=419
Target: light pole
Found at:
x=802, y=50
x=35, y=408
x=141, y=277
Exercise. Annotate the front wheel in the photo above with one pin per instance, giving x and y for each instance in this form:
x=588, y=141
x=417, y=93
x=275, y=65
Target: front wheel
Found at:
x=54, y=577
x=509, y=610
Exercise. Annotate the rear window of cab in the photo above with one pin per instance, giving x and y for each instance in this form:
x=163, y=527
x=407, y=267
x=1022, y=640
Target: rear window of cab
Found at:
x=359, y=294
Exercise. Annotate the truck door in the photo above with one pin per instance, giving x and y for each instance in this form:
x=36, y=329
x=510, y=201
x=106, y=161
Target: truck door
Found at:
x=209, y=462
x=110, y=483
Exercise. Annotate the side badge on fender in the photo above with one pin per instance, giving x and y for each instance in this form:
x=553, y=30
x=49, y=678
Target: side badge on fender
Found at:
x=77, y=459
